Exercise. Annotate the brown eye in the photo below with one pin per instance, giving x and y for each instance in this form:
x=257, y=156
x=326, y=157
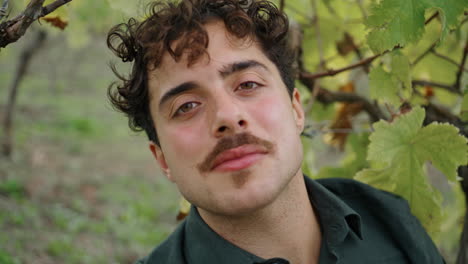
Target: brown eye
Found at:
x=185, y=108
x=248, y=86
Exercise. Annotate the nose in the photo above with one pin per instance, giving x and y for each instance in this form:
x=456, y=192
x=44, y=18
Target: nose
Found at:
x=229, y=117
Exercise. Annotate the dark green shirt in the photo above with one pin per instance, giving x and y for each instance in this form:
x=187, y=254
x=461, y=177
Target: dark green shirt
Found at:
x=359, y=224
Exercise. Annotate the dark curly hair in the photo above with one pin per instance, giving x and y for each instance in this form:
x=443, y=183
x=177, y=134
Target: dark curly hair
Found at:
x=144, y=44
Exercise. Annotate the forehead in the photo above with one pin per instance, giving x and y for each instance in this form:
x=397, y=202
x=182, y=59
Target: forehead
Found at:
x=223, y=48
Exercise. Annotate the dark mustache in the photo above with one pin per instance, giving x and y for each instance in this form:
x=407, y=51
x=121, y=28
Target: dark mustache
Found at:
x=231, y=142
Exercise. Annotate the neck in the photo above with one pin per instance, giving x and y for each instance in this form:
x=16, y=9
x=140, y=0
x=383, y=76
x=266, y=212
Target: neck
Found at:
x=287, y=228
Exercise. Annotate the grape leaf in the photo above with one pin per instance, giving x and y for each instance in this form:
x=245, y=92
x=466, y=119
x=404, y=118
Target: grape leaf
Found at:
x=449, y=11
x=399, y=22
x=395, y=22
x=383, y=86
x=401, y=69
x=391, y=87
x=405, y=146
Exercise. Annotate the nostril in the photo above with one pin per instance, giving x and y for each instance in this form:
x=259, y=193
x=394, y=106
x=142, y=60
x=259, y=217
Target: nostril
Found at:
x=241, y=123
x=222, y=129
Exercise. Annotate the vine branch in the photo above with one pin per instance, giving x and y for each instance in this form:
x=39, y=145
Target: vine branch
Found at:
x=12, y=30
x=461, y=67
x=331, y=72
x=450, y=88
x=449, y=60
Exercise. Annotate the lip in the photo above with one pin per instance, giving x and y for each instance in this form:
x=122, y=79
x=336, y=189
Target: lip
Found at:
x=238, y=158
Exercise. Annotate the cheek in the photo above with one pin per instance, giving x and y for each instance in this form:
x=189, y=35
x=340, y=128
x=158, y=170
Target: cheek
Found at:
x=185, y=145
x=272, y=113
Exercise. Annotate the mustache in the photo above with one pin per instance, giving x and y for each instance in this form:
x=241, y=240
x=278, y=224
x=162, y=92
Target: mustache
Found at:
x=231, y=142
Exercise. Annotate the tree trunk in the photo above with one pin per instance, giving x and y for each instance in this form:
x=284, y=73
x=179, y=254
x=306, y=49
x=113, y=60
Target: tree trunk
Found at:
x=463, y=252
x=25, y=59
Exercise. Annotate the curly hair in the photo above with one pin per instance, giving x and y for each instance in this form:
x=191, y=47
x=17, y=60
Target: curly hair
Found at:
x=145, y=43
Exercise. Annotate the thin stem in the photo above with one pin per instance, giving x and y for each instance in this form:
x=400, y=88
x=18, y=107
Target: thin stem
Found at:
x=329, y=73
x=446, y=87
x=448, y=60
x=460, y=69
x=424, y=54
x=436, y=14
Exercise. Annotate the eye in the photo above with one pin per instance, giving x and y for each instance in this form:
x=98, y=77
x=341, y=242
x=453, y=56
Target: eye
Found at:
x=185, y=108
x=248, y=85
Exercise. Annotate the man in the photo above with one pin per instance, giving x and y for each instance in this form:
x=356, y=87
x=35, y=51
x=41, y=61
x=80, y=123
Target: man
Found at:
x=212, y=85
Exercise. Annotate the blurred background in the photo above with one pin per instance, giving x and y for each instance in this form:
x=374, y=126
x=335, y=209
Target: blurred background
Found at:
x=79, y=186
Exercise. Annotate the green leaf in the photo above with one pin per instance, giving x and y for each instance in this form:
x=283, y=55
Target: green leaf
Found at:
x=395, y=22
x=404, y=145
x=383, y=86
x=449, y=11
x=443, y=146
x=378, y=178
x=401, y=69
x=399, y=22
x=391, y=87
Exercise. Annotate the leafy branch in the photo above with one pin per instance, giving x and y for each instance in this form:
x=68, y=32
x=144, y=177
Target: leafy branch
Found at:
x=12, y=30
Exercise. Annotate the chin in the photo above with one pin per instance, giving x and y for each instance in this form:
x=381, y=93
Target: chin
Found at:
x=250, y=199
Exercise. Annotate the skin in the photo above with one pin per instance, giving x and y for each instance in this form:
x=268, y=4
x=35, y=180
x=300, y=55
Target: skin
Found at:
x=230, y=141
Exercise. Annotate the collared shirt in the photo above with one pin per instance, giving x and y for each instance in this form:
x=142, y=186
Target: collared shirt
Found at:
x=359, y=224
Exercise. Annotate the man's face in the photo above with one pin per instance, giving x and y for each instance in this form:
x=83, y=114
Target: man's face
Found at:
x=229, y=132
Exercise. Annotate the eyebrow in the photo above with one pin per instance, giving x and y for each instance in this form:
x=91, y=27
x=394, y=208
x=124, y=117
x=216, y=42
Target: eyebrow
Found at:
x=224, y=72
x=181, y=88
x=240, y=66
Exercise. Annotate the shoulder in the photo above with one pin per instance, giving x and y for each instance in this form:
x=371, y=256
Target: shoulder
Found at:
x=389, y=210
x=354, y=191
x=170, y=251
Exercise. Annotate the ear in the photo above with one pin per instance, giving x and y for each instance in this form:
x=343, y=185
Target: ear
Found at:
x=298, y=111
x=159, y=156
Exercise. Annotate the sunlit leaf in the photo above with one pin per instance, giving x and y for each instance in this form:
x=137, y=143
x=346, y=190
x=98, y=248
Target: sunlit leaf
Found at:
x=399, y=22
x=404, y=145
x=383, y=86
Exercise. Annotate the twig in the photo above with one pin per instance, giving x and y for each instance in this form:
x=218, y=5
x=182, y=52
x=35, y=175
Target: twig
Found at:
x=449, y=60
x=331, y=72
x=461, y=67
x=446, y=87
x=424, y=54
x=52, y=6
x=12, y=30
x=24, y=61
x=436, y=14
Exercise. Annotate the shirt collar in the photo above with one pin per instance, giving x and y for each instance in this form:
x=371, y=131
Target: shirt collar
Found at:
x=204, y=245
x=336, y=218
